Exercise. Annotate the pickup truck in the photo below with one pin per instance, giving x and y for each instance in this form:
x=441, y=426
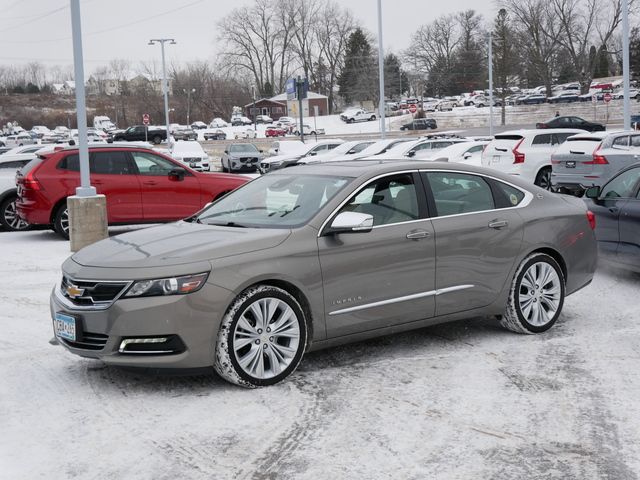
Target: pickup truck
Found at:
x=137, y=134
x=358, y=115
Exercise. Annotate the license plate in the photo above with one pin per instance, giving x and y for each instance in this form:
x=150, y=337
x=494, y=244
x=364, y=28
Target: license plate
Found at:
x=571, y=165
x=193, y=165
x=495, y=159
x=65, y=326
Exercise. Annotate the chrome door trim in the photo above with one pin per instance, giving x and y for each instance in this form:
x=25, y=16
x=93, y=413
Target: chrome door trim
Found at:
x=390, y=301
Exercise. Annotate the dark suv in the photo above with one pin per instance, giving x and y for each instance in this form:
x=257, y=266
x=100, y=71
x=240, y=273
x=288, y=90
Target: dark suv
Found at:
x=420, y=124
x=140, y=184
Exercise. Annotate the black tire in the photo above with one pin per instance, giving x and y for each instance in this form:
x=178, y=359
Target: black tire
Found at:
x=226, y=362
x=543, y=178
x=351, y=120
x=157, y=140
x=520, y=321
x=61, y=221
x=373, y=118
x=9, y=218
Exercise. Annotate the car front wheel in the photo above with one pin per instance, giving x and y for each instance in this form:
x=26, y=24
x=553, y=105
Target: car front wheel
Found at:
x=536, y=296
x=61, y=221
x=262, y=337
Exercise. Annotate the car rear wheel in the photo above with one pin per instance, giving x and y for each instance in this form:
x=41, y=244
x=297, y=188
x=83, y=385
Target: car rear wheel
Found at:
x=61, y=221
x=536, y=297
x=262, y=337
x=373, y=118
x=157, y=140
x=9, y=217
x=543, y=179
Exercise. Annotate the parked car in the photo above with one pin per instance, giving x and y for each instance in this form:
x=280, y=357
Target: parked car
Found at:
x=275, y=131
x=239, y=157
x=424, y=146
x=198, y=125
x=140, y=133
x=633, y=93
x=19, y=140
x=420, y=124
x=526, y=153
x=308, y=130
x=216, y=134
x=263, y=119
x=140, y=184
x=62, y=130
x=240, y=120
x=218, y=123
x=293, y=262
x=53, y=137
x=592, y=159
x=616, y=206
x=572, y=122
x=40, y=130
x=357, y=115
x=344, y=151
x=286, y=121
x=192, y=154
x=469, y=153
x=245, y=134
x=445, y=105
x=299, y=151
x=564, y=97
x=533, y=99
x=184, y=133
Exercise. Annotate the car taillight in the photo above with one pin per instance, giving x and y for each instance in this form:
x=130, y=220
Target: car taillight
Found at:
x=598, y=158
x=519, y=156
x=591, y=218
x=30, y=182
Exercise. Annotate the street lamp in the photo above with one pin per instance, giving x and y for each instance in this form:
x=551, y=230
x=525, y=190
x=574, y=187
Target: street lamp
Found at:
x=165, y=85
x=189, y=92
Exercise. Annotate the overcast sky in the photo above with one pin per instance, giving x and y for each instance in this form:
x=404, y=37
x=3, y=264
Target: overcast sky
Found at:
x=41, y=29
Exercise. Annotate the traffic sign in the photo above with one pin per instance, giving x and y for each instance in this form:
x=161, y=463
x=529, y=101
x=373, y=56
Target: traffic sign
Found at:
x=145, y=118
x=413, y=108
x=607, y=97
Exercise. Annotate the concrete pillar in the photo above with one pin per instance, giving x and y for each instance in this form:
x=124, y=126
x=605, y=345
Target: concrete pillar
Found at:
x=87, y=220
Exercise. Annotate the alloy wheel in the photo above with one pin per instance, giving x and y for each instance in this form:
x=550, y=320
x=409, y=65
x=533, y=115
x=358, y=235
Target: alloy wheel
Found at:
x=266, y=338
x=64, y=221
x=11, y=218
x=540, y=294
x=544, y=179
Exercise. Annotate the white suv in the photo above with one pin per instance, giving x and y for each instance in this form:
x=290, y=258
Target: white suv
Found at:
x=526, y=153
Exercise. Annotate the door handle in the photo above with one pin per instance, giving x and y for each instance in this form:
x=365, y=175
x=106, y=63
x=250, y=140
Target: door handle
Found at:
x=614, y=209
x=417, y=234
x=498, y=224
x=149, y=183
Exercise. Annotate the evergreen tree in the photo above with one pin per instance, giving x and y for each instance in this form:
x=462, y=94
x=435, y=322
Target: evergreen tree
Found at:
x=267, y=90
x=505, y=56
x=357, y=78
x=634, y=53
x=602, y=63
x=395, y=79
x=31, y=88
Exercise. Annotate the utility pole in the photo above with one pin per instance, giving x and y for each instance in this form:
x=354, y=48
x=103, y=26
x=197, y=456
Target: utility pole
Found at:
x=491, y=84
x=189, y=92
x=255, y=114
x=625, y=66
x=300, y=93
x=381, y=111
x=165, y=83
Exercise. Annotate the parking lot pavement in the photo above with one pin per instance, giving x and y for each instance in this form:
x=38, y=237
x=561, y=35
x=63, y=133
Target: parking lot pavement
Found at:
x=466, y=400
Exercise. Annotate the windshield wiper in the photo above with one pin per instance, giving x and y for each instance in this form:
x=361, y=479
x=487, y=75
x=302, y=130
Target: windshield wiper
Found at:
x=228, y=224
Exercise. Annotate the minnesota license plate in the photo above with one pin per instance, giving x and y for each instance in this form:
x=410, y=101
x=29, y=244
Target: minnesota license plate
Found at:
x=64, y=326
x=571, y=165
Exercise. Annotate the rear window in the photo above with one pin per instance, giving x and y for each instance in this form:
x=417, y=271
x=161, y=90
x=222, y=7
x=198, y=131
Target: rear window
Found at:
x=32, y=164
x=70, y=162
x=544, y=139
x=14, y=165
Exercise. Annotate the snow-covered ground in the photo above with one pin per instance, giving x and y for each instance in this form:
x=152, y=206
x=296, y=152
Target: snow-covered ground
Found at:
x=466, y=400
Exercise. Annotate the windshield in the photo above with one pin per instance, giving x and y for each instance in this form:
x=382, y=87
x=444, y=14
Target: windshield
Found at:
x=274, y=201
x=244, y=147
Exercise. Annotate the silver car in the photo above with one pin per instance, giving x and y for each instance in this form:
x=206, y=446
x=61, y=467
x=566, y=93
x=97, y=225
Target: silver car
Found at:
x=592, y=159
x=314, y=256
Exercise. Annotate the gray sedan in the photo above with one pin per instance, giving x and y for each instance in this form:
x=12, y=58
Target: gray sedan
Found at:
x=314, y=256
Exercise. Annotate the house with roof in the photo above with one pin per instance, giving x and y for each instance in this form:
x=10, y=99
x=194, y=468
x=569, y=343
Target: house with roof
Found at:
x=279, y=106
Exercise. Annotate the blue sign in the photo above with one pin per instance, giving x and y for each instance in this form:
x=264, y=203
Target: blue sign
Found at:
x=290, y=88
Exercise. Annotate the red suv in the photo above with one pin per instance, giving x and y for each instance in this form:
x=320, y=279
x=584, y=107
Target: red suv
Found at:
x=140, y=184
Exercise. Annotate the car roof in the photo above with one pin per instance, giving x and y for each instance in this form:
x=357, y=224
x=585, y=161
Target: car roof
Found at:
x=120, y=145
x=534, y=131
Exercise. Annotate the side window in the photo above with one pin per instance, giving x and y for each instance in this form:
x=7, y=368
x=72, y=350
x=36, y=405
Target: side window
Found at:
x=506, y=196
x=623, y=185
x=13, y=165
x=621, y=141
x=150, y=164
x=456, y=193
x=561, y=137
x=70, y=162
x=635, y=140
x=389, y=200
x=544, y=139
x=110, y=163
x=476, y=149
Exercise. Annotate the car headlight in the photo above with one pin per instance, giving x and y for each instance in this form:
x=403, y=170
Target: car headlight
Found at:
x=167, y=286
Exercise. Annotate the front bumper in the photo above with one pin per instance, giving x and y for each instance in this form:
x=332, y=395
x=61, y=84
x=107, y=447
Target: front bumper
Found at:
x=193, y=319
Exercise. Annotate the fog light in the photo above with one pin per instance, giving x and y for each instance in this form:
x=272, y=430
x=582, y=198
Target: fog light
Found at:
x=170, y=344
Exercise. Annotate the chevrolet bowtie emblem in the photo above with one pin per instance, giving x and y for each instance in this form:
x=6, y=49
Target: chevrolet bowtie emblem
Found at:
x=74, y=292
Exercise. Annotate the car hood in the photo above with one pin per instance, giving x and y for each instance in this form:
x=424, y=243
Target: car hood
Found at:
x=246, y=155
x=177, y=243
x=283, y=158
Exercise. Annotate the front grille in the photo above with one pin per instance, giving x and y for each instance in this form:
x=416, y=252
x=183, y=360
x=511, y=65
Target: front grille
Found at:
x=85, y=293
x=88, y=341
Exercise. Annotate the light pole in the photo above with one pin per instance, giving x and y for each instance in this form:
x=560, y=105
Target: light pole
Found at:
x=381, y=71
x=165, y=85
x=625, y=66
x=491, y=84
x=189, y=92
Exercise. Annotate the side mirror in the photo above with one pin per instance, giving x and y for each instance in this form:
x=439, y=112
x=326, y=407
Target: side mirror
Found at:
x=467, y=155
x=592, y=192
x=351, y=222
x=313, y=154
x=177, y=174
x=411, y=153
x=226, y=151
